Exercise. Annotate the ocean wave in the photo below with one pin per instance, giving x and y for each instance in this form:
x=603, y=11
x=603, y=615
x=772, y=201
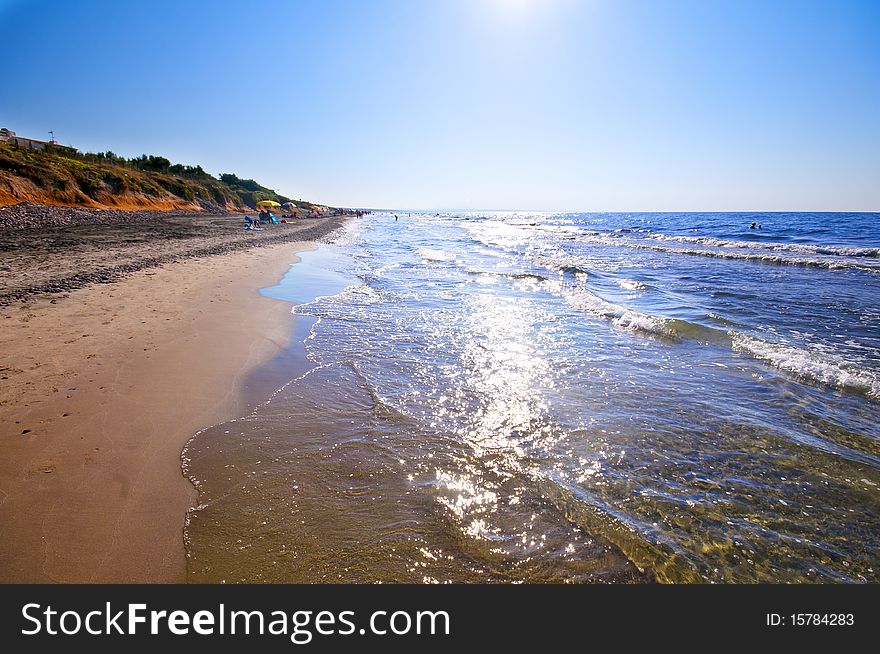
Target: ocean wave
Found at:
x=507, y=275
x=582, y=299
x=824, y=367
x=340, y=305
x=430, y=254
x=642, y=544
x=830, y=263
x=562, y=263
x=631, y=285
x=720, y=319
x=800, y=248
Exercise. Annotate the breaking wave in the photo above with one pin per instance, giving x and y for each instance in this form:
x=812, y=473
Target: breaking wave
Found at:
x=855, y=259
x=824, y=367
x=829, y=250
x=631, y=285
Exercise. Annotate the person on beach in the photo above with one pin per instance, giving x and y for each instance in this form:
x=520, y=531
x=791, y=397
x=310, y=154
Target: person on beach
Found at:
x=252, y=223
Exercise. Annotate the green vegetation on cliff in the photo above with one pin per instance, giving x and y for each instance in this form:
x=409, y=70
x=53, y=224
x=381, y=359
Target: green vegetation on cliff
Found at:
x=55, y=176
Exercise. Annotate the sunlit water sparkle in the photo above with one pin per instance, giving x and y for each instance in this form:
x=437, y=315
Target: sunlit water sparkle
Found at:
x=562, y=398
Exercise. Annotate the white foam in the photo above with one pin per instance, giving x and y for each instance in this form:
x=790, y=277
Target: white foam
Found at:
x=818, y=261
x=801, y=248
x=825, y=367
x=584, y=300
x=429, y=254
x=631, y=285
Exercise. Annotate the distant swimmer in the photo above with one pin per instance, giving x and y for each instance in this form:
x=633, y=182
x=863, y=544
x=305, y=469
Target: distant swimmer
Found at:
x=753, y=226
x=759, y=227
x=395, y=216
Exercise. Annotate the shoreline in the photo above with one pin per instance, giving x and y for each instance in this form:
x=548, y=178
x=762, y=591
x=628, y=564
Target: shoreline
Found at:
x=102, y=391
x=50, y=251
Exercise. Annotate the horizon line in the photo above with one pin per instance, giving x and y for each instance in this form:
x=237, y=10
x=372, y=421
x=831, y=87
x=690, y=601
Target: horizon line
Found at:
x=459, y=210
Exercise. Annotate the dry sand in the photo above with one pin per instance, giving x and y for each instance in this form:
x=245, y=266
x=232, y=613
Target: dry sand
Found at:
x=100, y=391
x=59, y=249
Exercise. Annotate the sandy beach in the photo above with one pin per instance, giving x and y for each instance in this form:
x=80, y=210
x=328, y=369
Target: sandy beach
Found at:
x=103, y=386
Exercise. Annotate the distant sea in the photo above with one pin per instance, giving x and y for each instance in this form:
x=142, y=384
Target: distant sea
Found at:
x=540, y=397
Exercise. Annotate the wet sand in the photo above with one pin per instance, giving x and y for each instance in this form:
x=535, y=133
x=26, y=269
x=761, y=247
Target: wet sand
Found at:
x=100, y=391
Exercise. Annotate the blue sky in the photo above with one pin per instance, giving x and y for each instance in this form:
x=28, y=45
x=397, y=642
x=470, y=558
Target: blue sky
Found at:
x=470, y=104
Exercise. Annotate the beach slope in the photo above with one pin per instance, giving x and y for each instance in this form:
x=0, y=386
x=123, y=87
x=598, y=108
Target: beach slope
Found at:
x=101, y=390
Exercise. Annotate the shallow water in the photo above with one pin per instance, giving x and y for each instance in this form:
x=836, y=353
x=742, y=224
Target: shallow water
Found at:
x=562, y=398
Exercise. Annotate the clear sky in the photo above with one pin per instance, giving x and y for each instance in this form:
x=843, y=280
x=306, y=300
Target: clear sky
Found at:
x=470, y=104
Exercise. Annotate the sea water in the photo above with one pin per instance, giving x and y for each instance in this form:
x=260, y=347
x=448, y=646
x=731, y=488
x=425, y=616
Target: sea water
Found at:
x=526, y=397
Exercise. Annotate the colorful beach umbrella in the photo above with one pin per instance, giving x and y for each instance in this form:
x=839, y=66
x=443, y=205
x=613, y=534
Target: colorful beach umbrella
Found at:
x=268, y=203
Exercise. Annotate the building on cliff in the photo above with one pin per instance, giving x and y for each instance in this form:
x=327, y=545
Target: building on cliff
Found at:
x=8, y=136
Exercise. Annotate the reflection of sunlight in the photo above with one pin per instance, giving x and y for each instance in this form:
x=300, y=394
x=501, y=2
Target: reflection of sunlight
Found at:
x=505, y=374
x=468, y=499
x=498, y=234
x=497, y=407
